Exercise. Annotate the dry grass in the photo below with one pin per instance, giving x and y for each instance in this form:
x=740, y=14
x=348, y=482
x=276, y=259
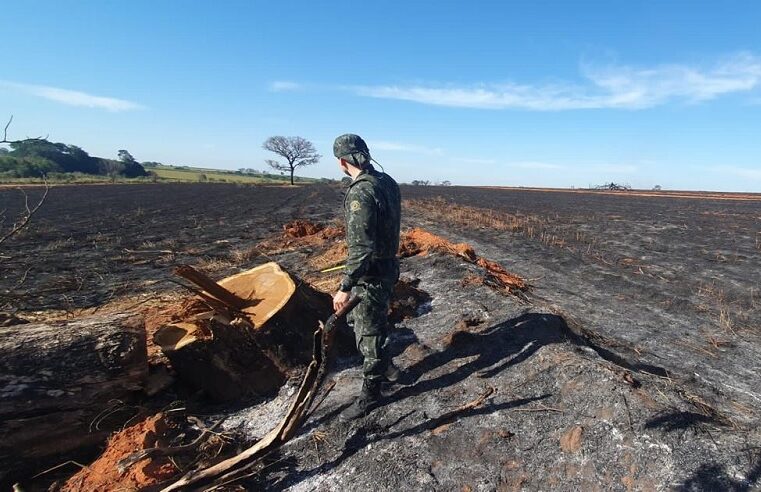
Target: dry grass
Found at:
x=545, y=229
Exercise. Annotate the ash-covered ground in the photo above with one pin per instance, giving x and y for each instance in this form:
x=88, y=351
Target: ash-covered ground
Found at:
x=563, y=411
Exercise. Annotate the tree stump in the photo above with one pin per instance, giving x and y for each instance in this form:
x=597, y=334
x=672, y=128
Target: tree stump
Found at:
x=250, y=342
x=57, y=379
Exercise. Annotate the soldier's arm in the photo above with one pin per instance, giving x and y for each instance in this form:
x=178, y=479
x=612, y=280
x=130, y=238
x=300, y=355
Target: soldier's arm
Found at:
x=361, y=218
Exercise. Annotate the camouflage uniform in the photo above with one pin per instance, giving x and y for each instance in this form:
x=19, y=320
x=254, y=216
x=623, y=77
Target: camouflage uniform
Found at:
x=373, y=212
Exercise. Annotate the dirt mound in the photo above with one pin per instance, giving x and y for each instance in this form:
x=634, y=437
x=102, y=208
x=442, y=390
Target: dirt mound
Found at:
x=498, y=274
x=421, y=242
x=333, y=256
x=103, y=474
x=298, y=234
x=300, y=228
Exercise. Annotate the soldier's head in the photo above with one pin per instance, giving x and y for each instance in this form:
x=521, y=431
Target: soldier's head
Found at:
x=351, y=152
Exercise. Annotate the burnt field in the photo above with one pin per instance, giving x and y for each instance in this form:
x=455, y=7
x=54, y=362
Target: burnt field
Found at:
x=631, y=362
x=675, y=281
x=90, y=245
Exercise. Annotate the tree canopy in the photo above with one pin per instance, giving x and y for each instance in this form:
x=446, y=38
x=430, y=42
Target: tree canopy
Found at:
x=34, y=157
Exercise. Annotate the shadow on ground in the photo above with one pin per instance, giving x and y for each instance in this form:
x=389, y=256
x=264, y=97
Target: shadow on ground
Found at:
x=496, y=349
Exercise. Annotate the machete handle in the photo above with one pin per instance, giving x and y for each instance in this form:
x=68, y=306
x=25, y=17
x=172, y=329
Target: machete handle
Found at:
x=350, y=304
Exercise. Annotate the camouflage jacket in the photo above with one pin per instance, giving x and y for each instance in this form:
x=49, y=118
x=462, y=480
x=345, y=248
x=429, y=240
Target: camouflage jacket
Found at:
x=373, y=214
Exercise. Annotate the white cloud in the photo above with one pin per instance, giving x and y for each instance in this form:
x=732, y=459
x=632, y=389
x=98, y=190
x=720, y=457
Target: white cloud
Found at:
x=612, y=87
x=73, y=98
x=404, y=147
x=285, y=86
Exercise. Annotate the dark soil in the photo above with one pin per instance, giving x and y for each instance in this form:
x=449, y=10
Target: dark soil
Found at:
x=667, y=281
x=90, y=245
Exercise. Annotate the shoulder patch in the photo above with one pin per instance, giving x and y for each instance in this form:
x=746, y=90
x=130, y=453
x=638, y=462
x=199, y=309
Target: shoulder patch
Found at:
x=354, y=206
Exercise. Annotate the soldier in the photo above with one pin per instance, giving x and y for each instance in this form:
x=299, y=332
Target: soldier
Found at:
x=373, y=211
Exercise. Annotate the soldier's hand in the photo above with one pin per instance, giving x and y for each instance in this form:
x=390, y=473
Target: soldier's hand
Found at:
x=340, y=299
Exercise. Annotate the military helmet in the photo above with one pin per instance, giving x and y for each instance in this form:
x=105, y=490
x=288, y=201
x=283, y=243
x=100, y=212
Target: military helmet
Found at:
x=352, y=148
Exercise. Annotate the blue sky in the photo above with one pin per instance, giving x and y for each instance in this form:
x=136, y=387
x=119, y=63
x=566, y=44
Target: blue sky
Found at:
x=532, y=93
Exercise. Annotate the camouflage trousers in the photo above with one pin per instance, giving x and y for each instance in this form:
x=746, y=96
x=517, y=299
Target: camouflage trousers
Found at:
x=370, y=319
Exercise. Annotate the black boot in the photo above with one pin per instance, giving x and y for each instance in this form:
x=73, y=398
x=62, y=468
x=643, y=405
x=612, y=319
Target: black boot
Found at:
x=368, y=399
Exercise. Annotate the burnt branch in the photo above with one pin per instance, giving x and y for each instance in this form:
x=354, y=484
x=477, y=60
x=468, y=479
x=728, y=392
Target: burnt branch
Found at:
x=5, y=135
x=5, y=132
x=28, y=213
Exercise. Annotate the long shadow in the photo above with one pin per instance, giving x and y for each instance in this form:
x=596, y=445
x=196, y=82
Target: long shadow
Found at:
x=488, y=353
x=368, y=434
x=677, y=420
x=495, y=349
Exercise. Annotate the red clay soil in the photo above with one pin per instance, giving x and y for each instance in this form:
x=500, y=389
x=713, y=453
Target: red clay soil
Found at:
x=502, y=276
x=335, y=255
x=300, y=228
x=103, y=473
x=413, y=242
x=420, y=242
x=300, y=233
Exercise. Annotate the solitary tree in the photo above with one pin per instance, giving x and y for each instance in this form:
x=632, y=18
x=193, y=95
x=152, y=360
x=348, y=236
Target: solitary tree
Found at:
x=296, y=151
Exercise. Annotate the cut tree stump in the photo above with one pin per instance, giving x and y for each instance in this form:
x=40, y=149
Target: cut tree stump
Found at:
x=58, y=381
x=257, y=332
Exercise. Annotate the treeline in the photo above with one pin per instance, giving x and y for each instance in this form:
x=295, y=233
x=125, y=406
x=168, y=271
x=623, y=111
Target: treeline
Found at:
x=37, y=157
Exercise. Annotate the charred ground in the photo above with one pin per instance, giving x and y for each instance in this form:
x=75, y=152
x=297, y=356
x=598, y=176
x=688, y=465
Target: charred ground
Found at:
x=631, y=364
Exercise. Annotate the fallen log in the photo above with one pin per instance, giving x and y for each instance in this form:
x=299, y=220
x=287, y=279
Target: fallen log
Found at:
x=254, y=343
x=57, y=379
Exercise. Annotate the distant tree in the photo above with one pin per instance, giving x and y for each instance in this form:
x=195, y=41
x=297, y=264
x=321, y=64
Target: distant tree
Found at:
x=657, y=188
x=126, y=157
x=111, y=168
x=297, y=151
x=419, y=182
x=446, y=183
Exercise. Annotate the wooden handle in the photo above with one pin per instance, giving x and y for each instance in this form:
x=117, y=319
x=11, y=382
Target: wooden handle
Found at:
x=350, y=304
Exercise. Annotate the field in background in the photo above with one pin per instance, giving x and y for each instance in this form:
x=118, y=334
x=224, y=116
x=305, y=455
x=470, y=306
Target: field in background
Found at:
x=196, y=175
x=172, y=174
